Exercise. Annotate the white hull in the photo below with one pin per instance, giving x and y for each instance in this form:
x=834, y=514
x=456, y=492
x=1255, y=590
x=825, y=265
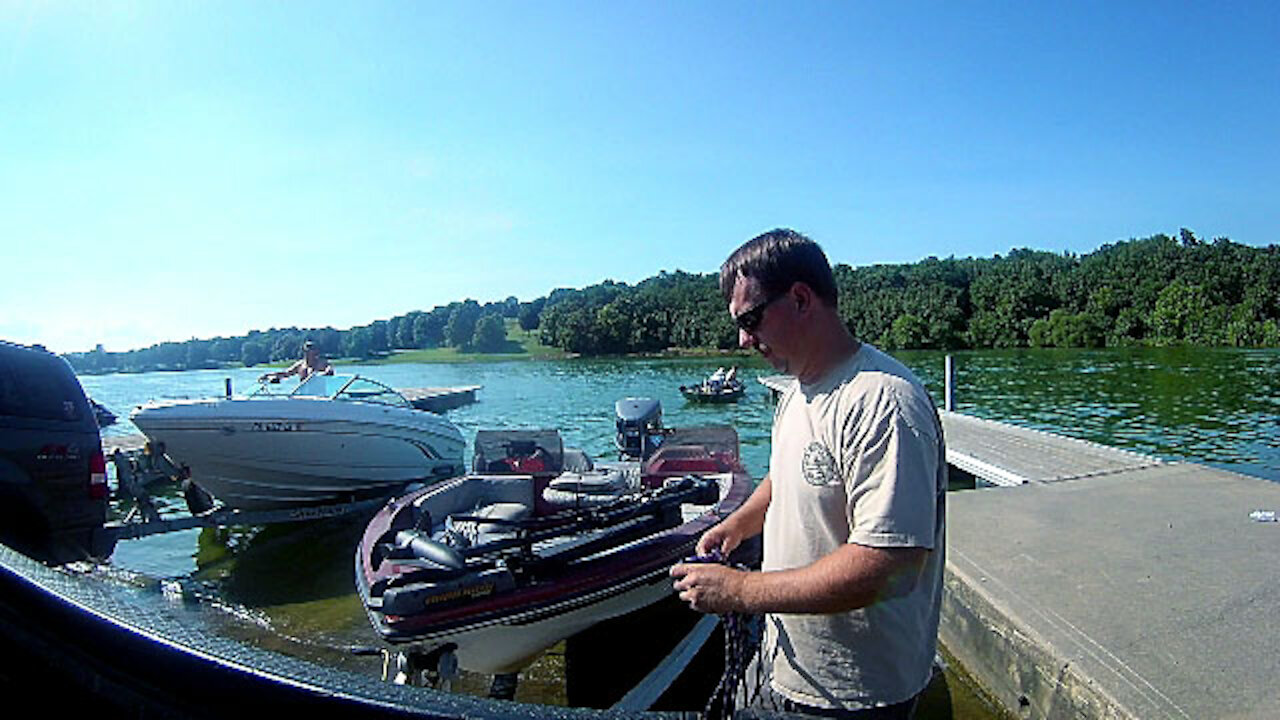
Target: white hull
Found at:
x=512, y=642
x=288, y=452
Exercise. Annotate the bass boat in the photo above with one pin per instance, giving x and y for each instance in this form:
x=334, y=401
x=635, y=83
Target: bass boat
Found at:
x=332, y=439
x=538, y=542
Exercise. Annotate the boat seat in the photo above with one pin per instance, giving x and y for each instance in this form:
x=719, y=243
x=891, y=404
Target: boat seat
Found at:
x=586, y=489
x=594, y=482
x=502, y=497
x=575, y=460
x=475, y=491
x=475, y=532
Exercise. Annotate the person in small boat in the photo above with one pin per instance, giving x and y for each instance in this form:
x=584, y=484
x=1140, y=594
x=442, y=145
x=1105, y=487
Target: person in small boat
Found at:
x=313, y=362
x=852, y=510
x=716, y=381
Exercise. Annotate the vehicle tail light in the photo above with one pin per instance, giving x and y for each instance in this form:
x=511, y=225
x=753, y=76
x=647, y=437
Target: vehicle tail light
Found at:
x=98, y=489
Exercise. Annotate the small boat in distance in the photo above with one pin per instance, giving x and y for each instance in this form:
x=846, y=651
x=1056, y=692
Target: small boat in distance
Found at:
x=539, y=543
x=331, y=439
x=722, y=387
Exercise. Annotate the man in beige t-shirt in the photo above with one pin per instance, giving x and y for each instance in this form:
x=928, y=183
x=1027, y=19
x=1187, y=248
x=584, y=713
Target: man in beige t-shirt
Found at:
x=852, y=509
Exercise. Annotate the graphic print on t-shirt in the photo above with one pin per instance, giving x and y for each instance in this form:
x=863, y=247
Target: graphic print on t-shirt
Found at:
x=819, y=465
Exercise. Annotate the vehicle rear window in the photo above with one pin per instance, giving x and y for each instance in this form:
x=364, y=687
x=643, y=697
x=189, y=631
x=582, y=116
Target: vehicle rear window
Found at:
x=34, y=387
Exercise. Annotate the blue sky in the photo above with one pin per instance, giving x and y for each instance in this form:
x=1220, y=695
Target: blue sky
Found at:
x=172, y=170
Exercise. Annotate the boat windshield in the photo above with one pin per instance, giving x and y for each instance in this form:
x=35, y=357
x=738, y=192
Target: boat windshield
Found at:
x=365, y=390
x=321, y=385
x=338, y=387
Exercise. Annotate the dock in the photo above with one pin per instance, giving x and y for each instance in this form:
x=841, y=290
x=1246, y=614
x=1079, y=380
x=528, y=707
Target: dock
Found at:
x=776, y=384
x=1107, y=584
x=439, y=399
x=996, y=453
x=1084, y=581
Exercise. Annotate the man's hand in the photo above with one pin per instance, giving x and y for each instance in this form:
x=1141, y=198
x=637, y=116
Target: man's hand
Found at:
x=719, y=538
x=709, y=587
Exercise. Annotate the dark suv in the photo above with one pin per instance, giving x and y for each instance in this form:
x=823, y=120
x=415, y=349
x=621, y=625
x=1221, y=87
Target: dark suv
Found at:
x=53, y=482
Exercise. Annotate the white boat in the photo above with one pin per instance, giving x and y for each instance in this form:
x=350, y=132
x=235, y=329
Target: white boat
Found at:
x=331, y=439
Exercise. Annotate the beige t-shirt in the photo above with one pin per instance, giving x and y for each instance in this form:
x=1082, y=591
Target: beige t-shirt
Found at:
x=857, y=457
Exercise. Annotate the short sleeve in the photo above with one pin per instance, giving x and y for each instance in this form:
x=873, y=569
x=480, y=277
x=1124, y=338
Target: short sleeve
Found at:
x=891, y=484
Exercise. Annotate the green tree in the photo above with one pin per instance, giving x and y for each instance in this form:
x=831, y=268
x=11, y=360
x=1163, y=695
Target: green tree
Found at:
x=461, y=327
x=529, y=313
x=908, y=332
x=197, y=354
x=1067, y=329
x=404, y=336
x=254, y=352
x=357, y=342
x=379, y=335
x=1181, y=314
x=428, y=329
x=287, y=346
x=491, y=334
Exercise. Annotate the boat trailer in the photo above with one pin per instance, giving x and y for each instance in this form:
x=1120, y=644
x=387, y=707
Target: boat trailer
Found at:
x=139, y=471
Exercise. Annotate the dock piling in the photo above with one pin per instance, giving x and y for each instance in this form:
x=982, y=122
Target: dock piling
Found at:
x=949, y=393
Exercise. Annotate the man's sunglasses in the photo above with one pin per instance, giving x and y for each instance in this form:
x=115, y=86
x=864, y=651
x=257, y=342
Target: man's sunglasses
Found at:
x=750, y=319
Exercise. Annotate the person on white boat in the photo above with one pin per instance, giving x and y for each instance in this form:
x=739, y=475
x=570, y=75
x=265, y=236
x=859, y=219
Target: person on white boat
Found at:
x=313, y=362
x=852, y=510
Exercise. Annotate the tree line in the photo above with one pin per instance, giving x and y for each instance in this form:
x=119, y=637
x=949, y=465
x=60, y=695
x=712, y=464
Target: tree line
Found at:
x=466, y=325
x=1156, y=291
x=1159, y=290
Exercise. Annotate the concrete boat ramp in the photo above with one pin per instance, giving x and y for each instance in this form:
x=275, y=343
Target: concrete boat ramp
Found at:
x=1084, y=581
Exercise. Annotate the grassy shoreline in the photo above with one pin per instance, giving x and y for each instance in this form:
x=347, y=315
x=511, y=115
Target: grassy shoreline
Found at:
x=521, y=345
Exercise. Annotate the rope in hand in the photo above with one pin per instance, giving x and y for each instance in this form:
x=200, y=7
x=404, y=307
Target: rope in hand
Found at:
x=741, y=641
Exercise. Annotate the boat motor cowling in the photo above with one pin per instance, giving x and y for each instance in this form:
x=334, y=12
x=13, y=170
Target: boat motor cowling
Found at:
x=639, y=424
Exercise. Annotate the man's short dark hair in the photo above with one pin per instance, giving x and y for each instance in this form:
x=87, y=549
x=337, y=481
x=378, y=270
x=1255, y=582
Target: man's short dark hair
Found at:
x=777, y=259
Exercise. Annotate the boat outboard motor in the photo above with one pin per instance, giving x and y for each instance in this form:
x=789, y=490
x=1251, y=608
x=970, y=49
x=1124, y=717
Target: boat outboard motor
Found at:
x=640, y=430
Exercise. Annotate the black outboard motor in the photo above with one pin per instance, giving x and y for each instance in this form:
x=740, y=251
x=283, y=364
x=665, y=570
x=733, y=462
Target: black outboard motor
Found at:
x=640, y=430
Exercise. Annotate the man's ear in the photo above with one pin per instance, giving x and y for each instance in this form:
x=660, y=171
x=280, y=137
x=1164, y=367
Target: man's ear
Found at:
x=802, y=294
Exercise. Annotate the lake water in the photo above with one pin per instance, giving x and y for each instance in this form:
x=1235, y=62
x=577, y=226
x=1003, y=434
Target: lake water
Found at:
x=1214, y=406
x=294, y=584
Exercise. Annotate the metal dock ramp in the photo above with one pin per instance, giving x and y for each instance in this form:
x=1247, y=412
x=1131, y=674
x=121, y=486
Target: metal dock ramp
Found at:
x=1003, y=454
